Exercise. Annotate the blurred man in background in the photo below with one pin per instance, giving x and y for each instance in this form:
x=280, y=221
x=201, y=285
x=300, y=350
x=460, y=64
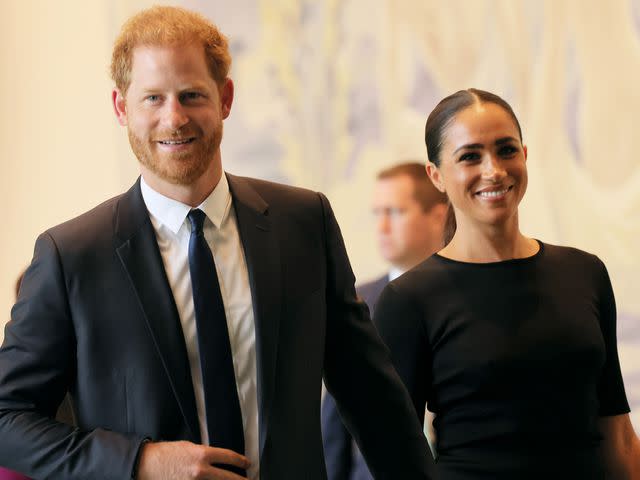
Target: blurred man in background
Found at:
x=410, y=215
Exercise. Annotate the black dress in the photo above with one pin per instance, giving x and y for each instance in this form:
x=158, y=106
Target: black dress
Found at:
x=517, y=359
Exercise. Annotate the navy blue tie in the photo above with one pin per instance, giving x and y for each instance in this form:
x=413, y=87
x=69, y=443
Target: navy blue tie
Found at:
x=224, y=418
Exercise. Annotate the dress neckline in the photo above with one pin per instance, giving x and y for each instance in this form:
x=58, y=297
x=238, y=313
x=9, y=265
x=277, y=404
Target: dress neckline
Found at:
x=499, y=263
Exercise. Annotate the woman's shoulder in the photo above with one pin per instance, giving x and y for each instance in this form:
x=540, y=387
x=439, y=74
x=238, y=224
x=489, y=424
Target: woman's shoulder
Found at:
x=420, y=279
x=403, y=302
x=570, y=265
x=561, y=255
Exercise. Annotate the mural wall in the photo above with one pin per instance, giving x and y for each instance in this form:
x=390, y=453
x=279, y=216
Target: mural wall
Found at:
x=328, y=92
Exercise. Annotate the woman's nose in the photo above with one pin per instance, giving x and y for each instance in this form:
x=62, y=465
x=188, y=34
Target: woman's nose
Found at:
x=493, y=168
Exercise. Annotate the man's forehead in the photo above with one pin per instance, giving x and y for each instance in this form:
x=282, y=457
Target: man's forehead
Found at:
x=156, y=66
x=155, y=51
x=389, y=192
x=400, y=182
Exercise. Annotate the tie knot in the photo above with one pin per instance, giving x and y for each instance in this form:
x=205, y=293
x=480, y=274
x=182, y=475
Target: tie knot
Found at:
x=196, y=217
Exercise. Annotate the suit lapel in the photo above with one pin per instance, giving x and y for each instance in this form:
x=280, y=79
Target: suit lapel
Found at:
x=262, y=253
x=138, y=251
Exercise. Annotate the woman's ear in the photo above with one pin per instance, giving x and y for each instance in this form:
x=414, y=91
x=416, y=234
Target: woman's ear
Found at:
x=436, y=177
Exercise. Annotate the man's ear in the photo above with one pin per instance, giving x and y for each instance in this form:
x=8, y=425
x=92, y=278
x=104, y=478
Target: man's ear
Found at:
x=226, y=97
x=439, y=212
x=119, y=106
x=434, y=174
x=526, y=152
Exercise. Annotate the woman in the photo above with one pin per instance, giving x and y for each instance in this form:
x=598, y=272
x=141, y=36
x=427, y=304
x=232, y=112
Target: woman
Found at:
x=509, y=341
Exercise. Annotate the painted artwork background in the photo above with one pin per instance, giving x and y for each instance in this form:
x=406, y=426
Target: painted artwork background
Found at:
x=327, y=93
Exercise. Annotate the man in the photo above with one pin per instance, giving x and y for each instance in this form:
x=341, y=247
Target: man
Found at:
x=410, y=216
x=193, y=317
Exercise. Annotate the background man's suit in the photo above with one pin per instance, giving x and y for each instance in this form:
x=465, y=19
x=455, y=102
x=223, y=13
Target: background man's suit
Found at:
x=370, y=291
x=96, y=316
x=343, y=457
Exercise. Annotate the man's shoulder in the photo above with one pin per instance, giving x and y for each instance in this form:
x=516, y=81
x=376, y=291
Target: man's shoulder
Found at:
x=373, y=284
x=92, y=224
x=272, y=191
x=284, y=203
x=370, y=291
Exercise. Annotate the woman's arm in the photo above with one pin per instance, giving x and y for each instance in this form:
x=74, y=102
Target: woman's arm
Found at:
x=620, y=448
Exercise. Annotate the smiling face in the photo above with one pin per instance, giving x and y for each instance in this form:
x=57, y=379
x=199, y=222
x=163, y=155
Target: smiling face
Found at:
x=173, y=110
x=482, y=166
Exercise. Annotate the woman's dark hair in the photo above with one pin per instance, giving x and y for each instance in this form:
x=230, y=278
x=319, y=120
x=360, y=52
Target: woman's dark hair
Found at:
x=441, y=117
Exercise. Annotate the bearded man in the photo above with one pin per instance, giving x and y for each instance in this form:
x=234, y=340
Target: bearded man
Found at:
x=193, y=318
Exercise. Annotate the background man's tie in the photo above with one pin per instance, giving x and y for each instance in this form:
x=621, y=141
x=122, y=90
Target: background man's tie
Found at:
x=224, y=418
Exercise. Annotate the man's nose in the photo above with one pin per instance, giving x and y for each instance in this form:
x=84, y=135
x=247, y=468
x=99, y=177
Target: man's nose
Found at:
x=383, y=223
x=175, y=115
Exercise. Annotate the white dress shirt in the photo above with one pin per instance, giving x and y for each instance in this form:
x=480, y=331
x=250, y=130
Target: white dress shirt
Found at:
x=395, y=273
x=169, y=219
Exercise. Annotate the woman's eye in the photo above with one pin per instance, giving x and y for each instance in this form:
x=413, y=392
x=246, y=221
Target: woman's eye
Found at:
x=469, y=157
x=507, y=151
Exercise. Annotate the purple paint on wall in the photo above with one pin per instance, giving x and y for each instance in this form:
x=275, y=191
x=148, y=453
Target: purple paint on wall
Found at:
x=631, y=384
x=425, y=94
x=629, y=335
x=364, y=110
x=628, y=327
x=572, y=103
x=635, y=14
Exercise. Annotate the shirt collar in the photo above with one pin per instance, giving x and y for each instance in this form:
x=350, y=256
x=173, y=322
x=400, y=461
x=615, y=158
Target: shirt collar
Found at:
x=394, y=273
x=172, y=213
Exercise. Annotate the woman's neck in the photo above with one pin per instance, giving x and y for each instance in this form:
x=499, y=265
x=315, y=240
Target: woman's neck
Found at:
x=489, y=243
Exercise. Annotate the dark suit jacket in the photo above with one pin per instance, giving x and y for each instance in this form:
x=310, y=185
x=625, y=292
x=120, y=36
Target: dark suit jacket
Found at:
x=343, y=458
x=96, y=316
x=370, y=291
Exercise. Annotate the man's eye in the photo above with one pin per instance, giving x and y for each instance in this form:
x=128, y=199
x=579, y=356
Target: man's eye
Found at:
x=153, y=98
x=191, y=96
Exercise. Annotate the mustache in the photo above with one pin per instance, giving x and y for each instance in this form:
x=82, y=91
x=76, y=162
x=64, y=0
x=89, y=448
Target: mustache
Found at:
x=174, y=134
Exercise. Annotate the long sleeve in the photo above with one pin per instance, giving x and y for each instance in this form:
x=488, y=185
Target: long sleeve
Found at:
x=358, y=373
x=37, y=362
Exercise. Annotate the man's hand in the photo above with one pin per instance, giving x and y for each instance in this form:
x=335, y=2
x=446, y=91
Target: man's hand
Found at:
x=187, y=461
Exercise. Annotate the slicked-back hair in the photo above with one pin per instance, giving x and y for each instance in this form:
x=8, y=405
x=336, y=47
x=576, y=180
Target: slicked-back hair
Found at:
x=440, y=119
